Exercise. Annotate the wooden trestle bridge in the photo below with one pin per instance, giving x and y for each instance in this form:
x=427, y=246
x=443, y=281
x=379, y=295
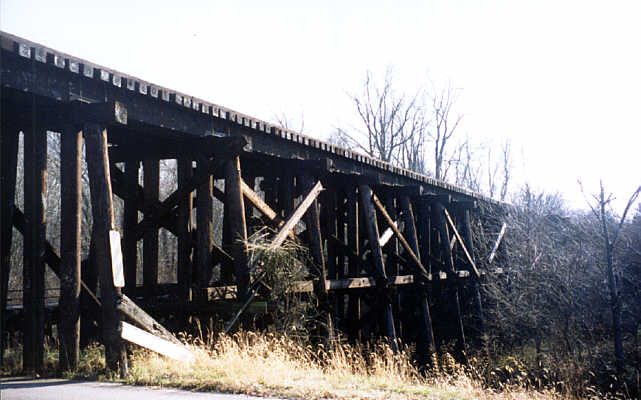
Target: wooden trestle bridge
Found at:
x=393, y=248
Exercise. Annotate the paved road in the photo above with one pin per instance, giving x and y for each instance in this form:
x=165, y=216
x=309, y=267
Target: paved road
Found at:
x=59, y=389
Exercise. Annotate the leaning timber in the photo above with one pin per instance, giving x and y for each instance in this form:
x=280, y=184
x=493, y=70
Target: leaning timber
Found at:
x=390, y=249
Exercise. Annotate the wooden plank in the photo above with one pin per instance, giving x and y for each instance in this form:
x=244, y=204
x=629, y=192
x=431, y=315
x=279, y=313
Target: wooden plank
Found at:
x=497, y=243
x=387, y=235
x=257, y=202
x=235, y=205
x=463, y=246
x=185, y=147
x=35, y=191
x=220, y=292
x=71, y=246
x=137, y=315
x=261, y=206
x=345, y=284
x=151, y=185
x=8, y=168
x=297, y=215
x=117, y=269
x=103, y=222
x=153, y=343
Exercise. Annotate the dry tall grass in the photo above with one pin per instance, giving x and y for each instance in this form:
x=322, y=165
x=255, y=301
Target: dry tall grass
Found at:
x=276, y=365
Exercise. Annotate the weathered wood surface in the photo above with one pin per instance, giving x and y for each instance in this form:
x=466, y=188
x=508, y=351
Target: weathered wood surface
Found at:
x=184, y=230
x=234, y=201
x=103, y=222
x=462, y=243
x=71, y=246
x=497, y=243
x=35, y=191
x=399, y=235
x=130, y=222
x=204, y=225
x=371, y=227
x=8, y=169
x=151, y=187
x=137, y=315
x=287, y=228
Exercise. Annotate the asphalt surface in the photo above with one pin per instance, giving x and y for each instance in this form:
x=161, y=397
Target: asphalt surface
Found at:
x=59, y=389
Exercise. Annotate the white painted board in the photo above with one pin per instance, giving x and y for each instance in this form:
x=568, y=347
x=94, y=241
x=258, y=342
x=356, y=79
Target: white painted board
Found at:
x=154, y=343
x=116, y=259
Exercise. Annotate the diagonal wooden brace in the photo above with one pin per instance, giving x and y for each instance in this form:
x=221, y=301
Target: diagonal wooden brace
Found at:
x=51, y=257
x=497, y=243
x=288, y=227
x=400, y=236
x=458, y=237
x=261, y=206
x=171, y=202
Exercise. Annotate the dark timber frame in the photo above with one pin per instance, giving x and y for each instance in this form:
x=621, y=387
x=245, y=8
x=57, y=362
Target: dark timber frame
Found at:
x=392, y=248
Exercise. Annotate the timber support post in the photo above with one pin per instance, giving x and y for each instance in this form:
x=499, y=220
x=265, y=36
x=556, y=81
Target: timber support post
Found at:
x=235, y=205
x=452, y=302
x=130, y=222
x=104, y=222
x=151, y=182
x=312, y=221
x=353, y=242
x=8, y=168
x=371, y=228
x=35, y=190
x=427, y=340
x=466, y=233
x=184, y=267
x=70, y=245
x=204, y=225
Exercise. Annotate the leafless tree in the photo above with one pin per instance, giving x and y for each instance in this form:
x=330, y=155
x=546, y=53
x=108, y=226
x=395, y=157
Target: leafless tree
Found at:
x=507, y=167
x=390, y=120
x=445, y=122
x=600, y=206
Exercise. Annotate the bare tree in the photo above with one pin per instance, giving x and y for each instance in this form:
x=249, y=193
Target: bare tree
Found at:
x=444, y=125
x=610, y=235
x=507, y=167
x=390, y=120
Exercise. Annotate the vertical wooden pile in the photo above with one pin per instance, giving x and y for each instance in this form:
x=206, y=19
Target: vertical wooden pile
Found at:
x=104, y=222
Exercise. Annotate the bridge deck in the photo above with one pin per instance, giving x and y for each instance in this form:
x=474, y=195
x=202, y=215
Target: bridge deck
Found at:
x=152, y=109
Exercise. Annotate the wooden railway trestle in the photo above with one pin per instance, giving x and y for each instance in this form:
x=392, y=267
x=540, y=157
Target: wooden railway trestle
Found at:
x=393, y=247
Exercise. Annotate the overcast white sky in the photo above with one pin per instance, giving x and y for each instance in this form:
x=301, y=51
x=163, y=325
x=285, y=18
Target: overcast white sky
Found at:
x=562, y=79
